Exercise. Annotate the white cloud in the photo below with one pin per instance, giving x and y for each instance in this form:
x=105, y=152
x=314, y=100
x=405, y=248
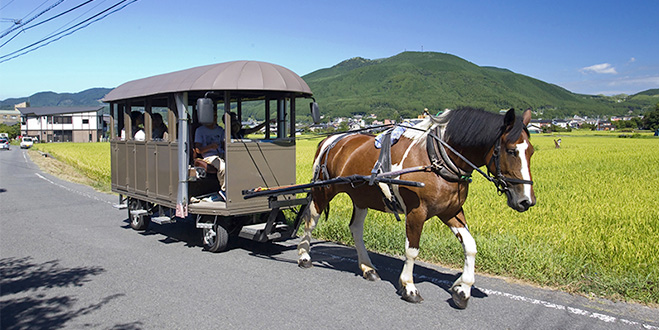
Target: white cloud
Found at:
x=604, y=68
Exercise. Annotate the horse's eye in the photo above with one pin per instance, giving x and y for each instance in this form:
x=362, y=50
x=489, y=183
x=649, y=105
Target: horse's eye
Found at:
x=511, y=152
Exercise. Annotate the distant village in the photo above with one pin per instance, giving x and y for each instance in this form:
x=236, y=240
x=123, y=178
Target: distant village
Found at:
x=603, y=123
x=89, y=124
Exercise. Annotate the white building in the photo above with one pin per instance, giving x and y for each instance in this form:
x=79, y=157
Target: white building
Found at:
x=63, y=124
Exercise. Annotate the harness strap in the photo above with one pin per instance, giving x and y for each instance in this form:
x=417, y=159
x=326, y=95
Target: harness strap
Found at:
x=499, y=180
x=322, y=169
x=383, y=165
x=441, y=162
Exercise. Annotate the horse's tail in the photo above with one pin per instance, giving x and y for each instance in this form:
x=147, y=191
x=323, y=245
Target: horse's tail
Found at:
x=327, y=211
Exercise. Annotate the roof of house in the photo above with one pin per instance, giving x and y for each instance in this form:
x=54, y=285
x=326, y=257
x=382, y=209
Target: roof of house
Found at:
x=228, y=76
x=45, y=111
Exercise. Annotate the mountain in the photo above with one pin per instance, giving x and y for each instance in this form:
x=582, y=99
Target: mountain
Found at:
x=404, y=84
x=89, y=97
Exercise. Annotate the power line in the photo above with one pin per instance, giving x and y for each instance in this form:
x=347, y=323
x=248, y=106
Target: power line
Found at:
x=44, y=42
x=6, y=4
x=18, y=26
x=18, y=21
x=44, y=21
x=75, y=19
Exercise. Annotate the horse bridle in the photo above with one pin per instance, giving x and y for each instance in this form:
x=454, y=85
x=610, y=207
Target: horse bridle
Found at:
x=501, y=182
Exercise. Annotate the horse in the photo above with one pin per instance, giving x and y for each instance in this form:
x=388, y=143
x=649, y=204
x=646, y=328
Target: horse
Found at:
x=468, y=138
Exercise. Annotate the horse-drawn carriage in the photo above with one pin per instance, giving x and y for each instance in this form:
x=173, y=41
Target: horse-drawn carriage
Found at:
x=425, y=175
x=157, y=177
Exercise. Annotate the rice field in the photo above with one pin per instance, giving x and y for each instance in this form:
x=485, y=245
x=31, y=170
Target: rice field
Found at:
x=594, y=230
x=92, y=159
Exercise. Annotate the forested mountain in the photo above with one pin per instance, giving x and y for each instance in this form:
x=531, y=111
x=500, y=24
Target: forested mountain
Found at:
x=89, y=97
x=404, y=84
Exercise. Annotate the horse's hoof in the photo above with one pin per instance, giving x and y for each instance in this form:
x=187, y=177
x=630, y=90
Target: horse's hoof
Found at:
x=372, y=275
x=304, y=263
x=459, y=298
x=414, y=297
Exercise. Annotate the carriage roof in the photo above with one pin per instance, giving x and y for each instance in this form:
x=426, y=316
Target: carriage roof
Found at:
x=254, y=76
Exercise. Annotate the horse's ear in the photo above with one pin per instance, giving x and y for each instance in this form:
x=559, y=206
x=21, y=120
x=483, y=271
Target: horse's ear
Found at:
x=526, y=117
x=509, y=119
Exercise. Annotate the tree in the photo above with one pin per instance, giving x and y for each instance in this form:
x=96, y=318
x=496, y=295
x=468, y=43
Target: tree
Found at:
x=13, y=131
x=651, y=119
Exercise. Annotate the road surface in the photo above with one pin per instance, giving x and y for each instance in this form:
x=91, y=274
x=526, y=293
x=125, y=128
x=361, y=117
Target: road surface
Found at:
x=70, y=260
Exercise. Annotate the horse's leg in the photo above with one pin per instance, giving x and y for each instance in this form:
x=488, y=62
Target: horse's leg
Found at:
x=413, y=228
x=461, y=289
x=357, y=230
x=310, y=216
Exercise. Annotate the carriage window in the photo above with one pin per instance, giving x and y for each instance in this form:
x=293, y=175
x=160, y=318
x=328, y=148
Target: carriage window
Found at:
x=160, y=124
x=136, y=129
x=251, y=120
x=117, y=114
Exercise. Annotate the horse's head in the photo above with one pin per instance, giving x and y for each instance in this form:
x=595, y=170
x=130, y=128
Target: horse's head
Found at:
x=511, y=162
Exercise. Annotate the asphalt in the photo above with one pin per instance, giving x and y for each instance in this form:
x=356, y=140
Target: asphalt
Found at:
x=69, y=260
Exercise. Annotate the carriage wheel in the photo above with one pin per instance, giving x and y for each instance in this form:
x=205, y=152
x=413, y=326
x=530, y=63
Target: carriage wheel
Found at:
x=137, y=221
x=216, y=239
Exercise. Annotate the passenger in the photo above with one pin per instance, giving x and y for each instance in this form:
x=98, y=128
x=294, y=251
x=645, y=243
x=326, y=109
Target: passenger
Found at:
x=209, y=143
x=237, y=130
x=159, y=128
x=137, y=118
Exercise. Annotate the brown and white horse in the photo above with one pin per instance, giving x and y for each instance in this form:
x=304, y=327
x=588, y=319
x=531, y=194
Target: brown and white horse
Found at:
x=499, y=141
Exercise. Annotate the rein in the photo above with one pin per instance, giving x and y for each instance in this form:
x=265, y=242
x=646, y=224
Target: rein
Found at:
x=500, y=181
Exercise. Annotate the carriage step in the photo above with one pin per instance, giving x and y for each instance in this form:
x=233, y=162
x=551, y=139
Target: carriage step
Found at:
x=163, y=220
x=201, y=225
x=120, y=206
x=139, y=212
x=255, y=232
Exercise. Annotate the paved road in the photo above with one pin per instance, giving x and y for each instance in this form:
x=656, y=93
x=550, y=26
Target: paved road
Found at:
x=69, y=260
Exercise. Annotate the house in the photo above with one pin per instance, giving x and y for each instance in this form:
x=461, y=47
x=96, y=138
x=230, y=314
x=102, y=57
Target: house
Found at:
x=11, y=117
x=63, y=124
x=541, y=123
x=576, y=122
x=560, y=123
x=534, y=128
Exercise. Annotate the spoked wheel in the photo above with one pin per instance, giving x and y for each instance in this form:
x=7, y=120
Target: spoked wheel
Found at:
x=216, y=238
x=138, y=220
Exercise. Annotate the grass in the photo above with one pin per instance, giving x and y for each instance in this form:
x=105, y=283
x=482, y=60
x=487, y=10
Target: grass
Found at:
x=92, y=159
x=594, y=230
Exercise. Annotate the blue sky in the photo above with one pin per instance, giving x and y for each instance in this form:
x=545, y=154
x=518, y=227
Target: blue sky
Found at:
x=591, y=47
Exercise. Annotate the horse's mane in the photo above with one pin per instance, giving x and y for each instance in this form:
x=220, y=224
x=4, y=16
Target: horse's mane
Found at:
x=469, y=127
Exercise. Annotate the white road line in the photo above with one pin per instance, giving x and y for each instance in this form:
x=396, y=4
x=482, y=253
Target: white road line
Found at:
x=547, y=304
x=72, y=190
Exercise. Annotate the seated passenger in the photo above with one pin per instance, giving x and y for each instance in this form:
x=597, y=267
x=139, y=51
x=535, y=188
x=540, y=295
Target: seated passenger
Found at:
x=137, y=119
x=238, y=132
x=209, y=143
x=159, y=128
